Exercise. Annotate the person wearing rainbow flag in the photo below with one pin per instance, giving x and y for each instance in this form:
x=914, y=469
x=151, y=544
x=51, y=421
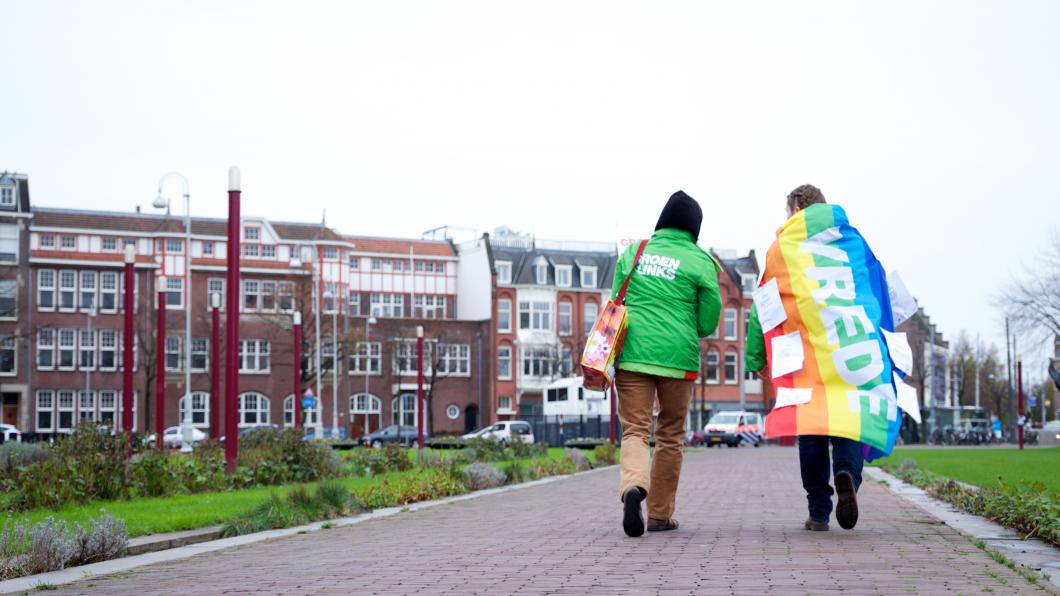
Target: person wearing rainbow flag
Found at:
x=822, y=322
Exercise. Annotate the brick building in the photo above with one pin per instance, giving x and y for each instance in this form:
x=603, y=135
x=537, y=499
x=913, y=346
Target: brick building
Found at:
x=15, y=316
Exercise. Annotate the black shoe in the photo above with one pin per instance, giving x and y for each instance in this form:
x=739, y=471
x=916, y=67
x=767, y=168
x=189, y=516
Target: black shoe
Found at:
x=632, y=519
x=846, y=510
x=815, y=526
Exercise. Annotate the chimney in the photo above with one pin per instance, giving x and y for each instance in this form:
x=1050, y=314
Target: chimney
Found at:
x=137, y=208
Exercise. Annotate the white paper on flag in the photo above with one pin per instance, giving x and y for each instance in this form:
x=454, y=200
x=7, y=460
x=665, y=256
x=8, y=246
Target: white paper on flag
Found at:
x=786, y=396
x=907, y=398
x=903, y=305
x=788, y=355
x=901, y=353
x=770, y=308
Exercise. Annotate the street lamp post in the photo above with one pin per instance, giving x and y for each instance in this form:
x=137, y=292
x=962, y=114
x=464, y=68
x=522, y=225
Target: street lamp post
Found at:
x=316, y=353
x=186, y=429
x=297, y=395
x=88, y=369
x=420, y=406
x=369, y=320
x=232, y=323
x=160, y=366
x=334, y=365
x=215, y=365
x=127, y=343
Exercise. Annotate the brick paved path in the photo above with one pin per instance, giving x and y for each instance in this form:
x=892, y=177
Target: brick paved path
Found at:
x=741, y=513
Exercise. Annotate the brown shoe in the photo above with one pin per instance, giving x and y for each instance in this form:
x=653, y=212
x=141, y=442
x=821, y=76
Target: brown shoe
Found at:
x=816, y=526
x=846, y=510
x=661, y=525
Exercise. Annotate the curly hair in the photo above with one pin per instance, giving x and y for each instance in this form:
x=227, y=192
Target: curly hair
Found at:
x=804, y=196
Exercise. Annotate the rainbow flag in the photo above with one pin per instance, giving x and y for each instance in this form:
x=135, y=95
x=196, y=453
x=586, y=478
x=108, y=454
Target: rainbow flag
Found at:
x=826, y=319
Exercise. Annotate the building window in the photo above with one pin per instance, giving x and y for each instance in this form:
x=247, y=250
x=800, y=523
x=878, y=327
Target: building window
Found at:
x=730, y=368
x=66, y=411
x=454, y=359
x=268, y=251
x=268, y=296
x=8, y=356
x=504, y=404
x=173, y=353
x=730, y=323
x=541, y=271
x=405, y=357
x=429, y=307
x=406, y=409
x=535, y=315
x=251, y=251
x=252, y=233
x=46, y=289
x=538, y=361
x=200, y=352
x=109, y=244
x=215, y=285
x=8, y=299
x=174, y=245
x=108, y=292
x=746, y=321
x=200, y=409
x=7, y=196
x=711, y=374
x=591, y=310
x=563, y=276
x=88, y=291
x=355, y=262
x=367, y=358
x=68, y=242
x=174, y=293
x=9, y=243
x=47, y=241
x=46, y=349
x=452, y=412
x=67, y=291
x=67, y=347
x=251, y=295
x=353, y=304
x=108, y=349
x=254, y=356
x=504, y=363
x=748, y=282
x=86, y=405
x=87, y=346
x=45, y=410
x=588, y=277
x=566, y=361
x=504, y=272
x=565, y=314
x=504, y=316
x=387, y=305
x=331, y=297
x=253, y=410
x=285, y=290
x=108, y=407
x=331, y=253
x=377, y=264
x=207, y=248
x=365, y=403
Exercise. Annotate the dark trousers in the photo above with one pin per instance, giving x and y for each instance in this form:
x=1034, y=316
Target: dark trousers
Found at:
x=813, y=459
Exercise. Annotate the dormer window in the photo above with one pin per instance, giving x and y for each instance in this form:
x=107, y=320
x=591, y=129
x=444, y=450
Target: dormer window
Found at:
x=748, y=281
x=252, y=233
x=588, y=277
x=563, y=276
x=7, y=196
x=504, y=272
x=541, y=271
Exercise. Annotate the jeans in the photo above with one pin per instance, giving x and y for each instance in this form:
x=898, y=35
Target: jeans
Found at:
x=659, y=477
x=813, y=460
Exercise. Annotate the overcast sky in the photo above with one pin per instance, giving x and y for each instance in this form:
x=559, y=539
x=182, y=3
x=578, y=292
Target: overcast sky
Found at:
x=935, y=124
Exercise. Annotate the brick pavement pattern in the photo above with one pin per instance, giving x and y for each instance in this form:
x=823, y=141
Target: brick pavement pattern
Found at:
x=741, y=514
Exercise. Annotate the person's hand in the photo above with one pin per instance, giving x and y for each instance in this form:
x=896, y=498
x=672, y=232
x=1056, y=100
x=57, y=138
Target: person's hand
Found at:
x=762, y=375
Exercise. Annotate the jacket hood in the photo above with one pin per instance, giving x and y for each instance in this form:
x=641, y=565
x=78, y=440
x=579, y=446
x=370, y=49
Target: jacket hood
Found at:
x=681, y=212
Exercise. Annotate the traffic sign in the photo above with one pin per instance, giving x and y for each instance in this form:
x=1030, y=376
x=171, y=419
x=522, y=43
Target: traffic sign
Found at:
x=307, y=399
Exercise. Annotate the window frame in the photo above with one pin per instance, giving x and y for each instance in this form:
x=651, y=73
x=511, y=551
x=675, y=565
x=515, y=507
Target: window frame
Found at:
x=200, y=404
x=104, y=291
x=504, y=315
x=586, y=322
x=91, y=335
x=368, y=353
x=715, y=378
x=735, y=367
x=88, y=286
x=53, y=288
x=504, y=354
x=40, y=407
x=258, y=354
x=570, y=318
x=506, y=267
x=583, y=271
x=64, y=289
x=734, y=322
x=262, y=408
x=12, y=285
x=9, y=344
x=568, y=272
x=50, y=346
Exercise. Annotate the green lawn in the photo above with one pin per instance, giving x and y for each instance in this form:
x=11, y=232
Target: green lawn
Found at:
x=154, y=515
x=981, y=466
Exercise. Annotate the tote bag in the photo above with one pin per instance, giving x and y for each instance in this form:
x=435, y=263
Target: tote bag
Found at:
x=607, y=336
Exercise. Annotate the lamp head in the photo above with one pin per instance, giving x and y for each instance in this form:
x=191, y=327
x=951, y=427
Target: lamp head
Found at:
x=419, y=331
x=372, y=321
x=215, y=300
x=161, y=283
x=130, y=253
x=159, y=202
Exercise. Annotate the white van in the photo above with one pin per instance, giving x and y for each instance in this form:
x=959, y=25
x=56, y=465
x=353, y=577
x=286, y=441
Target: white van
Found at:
x=567, y=397
x=505, y=431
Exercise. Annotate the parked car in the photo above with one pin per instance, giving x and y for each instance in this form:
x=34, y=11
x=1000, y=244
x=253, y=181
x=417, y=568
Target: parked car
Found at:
x=254, y=429
x=1050, y=434
x=477, y=433
x=173, y=438
x=9, y=433
x=325, y=433
x=730, y=428
x=389, y=434
x=510, y=430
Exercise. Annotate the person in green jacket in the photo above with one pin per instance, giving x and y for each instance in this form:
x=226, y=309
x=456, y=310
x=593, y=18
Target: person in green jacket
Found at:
x=672, y=301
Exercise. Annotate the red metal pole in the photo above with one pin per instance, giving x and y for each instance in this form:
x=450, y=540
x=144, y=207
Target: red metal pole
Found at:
x=419, y=387
x=215, y=368
x=1019, y=412
x=613, y=399
x=298, y=370
x=127, y=345
x=160, y=367
x=232, y=325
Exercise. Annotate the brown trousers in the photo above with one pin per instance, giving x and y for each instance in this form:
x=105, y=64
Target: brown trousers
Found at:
x=636, y=398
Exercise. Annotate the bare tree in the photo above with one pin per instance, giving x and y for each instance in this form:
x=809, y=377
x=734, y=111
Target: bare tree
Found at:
x=1032, y=301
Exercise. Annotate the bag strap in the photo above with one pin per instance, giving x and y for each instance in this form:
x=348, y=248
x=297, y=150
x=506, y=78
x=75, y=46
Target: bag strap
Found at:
x=621, y=297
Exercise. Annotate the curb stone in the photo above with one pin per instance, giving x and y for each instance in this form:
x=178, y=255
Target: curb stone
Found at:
x=1033, y=554
x=74, y=574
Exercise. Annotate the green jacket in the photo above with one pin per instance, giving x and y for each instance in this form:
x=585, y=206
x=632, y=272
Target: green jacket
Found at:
x=672, y=301
x=755, y=354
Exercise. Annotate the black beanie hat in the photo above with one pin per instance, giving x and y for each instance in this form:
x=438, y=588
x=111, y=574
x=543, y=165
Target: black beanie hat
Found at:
x=681, y=212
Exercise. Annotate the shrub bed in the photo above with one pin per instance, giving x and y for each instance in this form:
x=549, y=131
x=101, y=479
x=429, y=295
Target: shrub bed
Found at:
x=50, y=545
x=330, y=500
x=1026, y=507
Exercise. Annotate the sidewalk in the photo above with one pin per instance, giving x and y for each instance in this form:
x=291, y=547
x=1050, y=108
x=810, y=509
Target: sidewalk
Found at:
x=741, y=514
